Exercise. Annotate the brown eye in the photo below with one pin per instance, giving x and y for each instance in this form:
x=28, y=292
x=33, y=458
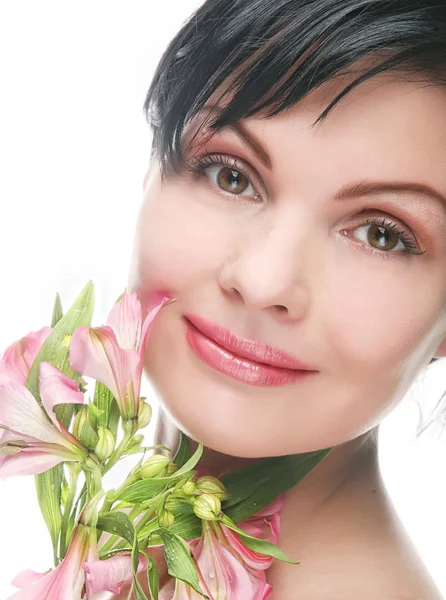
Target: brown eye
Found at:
x=231, y=180
x=382, y=238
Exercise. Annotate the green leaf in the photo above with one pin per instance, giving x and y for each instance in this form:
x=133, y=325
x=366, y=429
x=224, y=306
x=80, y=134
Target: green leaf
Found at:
x=179, y=506
x=189, y=464
x=180, y=563
x=254, y=486
x=48, y=486
x=184, y=451
x=88, y=435
x=153, y=577
x=57, y=311
x=105, y=402
x=144, y=489
x=137, y=589
x=56, y=347
x=187, y=526
x=117, y=523
x=258, y=545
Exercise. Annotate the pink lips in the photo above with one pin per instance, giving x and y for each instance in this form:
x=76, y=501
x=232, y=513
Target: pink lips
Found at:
x=246, y=360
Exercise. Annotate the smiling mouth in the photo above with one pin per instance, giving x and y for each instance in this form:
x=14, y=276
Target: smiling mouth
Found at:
x=240, y=368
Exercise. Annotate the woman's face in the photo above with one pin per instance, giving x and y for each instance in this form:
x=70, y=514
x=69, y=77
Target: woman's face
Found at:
x=300, y=269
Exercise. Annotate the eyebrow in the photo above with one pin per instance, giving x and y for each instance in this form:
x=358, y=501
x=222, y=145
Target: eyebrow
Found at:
x=366, y=188
x=348, y=191
x=251, y=140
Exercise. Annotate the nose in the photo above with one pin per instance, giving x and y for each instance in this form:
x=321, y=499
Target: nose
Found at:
x=269, y=269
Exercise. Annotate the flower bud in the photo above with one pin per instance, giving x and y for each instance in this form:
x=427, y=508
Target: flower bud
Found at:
x=171, y=468
x=79, y=421
x=207, y=507
x=104, y=448
x=144, y=415
x=188, y=488
x=166, y=518
x=211, y=485
x=155, y=466
x=135, y=441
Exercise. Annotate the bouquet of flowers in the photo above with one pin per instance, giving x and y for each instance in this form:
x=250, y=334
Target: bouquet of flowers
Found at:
x=218, y=535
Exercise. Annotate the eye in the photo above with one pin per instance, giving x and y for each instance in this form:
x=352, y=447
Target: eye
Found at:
x=227, y=174
x=387, y=237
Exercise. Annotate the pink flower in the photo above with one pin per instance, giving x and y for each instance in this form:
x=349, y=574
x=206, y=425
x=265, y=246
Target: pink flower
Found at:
x=18, y=358
x=110, y=574
x=80, y=567
x=113, y=354
x=67, y=580
x=227, y=569
x=32, y=439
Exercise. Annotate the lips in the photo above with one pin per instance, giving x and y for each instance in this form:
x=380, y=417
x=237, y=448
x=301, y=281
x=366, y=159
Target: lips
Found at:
x=252, y=350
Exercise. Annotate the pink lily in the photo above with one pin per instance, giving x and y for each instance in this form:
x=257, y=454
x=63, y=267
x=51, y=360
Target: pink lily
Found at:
x=68, y=580
x=111, y=574
x=227, y=569
x=113, y=354
x=80, y=567
x=32, y=440
x=18, y=358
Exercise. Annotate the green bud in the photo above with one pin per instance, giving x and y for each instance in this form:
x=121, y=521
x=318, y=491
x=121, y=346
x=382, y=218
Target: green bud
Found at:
x=104, y=448
x=144, y=415
x=135, y=441
x=79, y=421
x=207, y=507
x=171, y=468
x=188, y=488
x=166, y=518
x=211, y=485
x=155, y=466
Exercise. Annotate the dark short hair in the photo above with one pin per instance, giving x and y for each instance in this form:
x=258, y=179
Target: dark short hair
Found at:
x=261, y=40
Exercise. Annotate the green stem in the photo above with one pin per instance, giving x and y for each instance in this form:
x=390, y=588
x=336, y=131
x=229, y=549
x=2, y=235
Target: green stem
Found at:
x=150, y=509
x=97, y=479
x=74, y=474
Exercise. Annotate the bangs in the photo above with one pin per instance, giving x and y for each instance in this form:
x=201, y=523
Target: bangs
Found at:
x=257, y=57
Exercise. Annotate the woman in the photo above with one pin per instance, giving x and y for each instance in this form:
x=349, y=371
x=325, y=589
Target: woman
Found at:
x=311, y=224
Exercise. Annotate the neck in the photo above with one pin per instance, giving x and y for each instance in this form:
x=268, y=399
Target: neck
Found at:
x=349, y=468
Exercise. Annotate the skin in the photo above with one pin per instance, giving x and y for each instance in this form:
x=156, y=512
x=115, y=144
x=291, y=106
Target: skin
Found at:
x=281, y=270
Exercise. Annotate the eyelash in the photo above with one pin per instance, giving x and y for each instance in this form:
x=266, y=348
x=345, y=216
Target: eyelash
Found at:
x=199, y=165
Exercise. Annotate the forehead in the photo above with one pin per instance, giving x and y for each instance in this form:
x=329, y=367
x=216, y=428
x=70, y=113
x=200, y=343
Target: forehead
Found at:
x=386, y=122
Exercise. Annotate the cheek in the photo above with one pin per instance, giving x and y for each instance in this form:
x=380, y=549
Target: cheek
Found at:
x=178, y=242
x=378, y=314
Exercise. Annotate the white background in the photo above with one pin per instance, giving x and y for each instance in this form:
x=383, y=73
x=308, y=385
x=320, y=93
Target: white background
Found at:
x=73, y=148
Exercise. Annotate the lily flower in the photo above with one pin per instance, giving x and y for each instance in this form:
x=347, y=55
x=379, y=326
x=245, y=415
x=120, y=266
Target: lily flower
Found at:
x=32, y=439
x=110, y=574
x=18, y=358
x=81, y=570
x=69, y=580
x=114, y=353
x=227, y=569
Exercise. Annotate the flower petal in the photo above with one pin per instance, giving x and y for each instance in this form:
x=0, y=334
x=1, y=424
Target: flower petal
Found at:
x=20, y=411
x=155, y=302
x=110, y=574
x=28, y=462
x=126, y=321
x=56, y=388
x=226, y=577
x=26, y=577
x=95, y=352
x=253, y=559
x=18, y=358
